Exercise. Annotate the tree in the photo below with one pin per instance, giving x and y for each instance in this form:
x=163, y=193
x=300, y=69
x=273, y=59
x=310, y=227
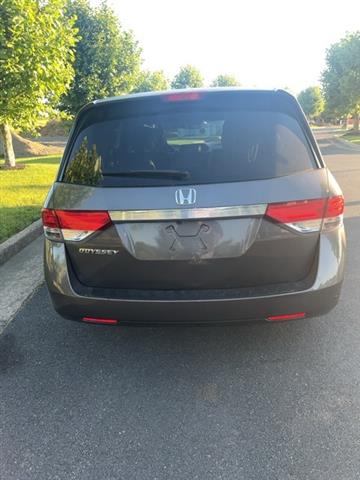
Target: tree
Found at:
x=225, y=81
x=188, y=77
x=151, y=81
x=341, y=77
x=311, y=101
x=107, y=58
x=36, y=53
x=86, y=166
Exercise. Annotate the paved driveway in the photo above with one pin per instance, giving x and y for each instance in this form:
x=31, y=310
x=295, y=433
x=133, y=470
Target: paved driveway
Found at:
x=255, y=402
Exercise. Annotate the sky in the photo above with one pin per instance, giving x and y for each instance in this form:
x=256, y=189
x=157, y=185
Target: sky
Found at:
x=265, y=44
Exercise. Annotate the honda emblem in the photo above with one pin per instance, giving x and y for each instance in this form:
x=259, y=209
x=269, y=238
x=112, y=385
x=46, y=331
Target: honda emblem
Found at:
x=185, y=196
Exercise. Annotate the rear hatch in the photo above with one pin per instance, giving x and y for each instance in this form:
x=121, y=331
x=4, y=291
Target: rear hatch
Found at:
x=194, y=190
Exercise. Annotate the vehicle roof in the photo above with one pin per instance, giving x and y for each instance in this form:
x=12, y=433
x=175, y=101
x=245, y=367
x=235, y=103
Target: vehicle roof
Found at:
x=188, y=90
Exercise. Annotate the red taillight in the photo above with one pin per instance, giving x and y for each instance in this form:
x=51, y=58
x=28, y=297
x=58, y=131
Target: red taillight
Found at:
x=182, y=97
x=287, y=316
x=104, y=321
x=290, y=212
x=73, y=225
x=83, y=220
x=49, y=218
x=335, y=206
x=307, y=216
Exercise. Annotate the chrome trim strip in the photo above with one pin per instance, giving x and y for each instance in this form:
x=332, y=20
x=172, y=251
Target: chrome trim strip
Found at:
x=187, y=213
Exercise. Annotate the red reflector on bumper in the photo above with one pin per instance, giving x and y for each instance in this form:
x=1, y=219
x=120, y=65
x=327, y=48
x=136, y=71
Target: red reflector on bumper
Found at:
x=105, y=321
x=288, y=316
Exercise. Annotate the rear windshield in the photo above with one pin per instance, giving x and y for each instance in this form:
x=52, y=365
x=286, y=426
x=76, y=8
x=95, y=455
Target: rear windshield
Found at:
x=192, y=147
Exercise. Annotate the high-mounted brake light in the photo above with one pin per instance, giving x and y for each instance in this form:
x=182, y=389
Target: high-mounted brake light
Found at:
x=182, y=97
x=308, y=216
x=73, y=225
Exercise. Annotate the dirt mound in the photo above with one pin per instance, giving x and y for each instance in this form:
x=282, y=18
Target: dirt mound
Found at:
x=24, y=147
x=55, y=128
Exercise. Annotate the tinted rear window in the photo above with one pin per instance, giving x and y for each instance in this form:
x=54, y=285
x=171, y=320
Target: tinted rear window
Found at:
x=188, y=147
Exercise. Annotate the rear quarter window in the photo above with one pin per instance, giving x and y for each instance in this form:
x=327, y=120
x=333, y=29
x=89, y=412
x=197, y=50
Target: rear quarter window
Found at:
x=205, y=145
x=292, y=149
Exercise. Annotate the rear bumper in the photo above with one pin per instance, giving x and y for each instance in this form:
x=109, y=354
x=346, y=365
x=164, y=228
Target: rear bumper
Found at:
x=196, y=312
x=318, y=299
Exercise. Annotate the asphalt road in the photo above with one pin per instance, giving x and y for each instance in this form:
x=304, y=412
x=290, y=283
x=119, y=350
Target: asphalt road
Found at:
x=264, y=401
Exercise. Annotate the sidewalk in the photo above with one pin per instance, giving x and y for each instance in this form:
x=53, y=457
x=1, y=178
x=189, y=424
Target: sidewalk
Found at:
x=20, y=277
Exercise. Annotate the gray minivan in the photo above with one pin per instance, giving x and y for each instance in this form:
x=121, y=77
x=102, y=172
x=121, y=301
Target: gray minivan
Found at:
x=193, y=206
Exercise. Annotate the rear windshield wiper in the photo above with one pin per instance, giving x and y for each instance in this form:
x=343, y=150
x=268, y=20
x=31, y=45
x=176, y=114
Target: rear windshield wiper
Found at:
x=149, y=173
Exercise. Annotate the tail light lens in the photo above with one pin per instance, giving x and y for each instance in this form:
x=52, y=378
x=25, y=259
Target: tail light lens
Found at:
x=49, y=218
x=73, y=225
x=334, y=212
x=306, y=216
x=51, y=225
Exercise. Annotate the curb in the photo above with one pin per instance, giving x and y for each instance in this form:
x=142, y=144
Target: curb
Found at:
x=30, y=293
x=24, y=275
x=17, y=242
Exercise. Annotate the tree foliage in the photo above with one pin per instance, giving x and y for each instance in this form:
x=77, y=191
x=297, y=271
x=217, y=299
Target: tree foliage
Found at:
x=225, y=80
x=86, y=166
x=341, y=77
x=107, y=58
x=188, y=77
x=36, y=54
x=312, y=101
x=151, y=82
x=36, y=51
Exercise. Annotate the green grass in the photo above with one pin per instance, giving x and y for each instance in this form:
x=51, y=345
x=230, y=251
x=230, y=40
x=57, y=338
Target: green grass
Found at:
x=22, y=192
x=352, y=137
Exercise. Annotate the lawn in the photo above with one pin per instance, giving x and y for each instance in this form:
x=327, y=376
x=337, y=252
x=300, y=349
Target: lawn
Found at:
x=352, y=137
x=22, y=193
